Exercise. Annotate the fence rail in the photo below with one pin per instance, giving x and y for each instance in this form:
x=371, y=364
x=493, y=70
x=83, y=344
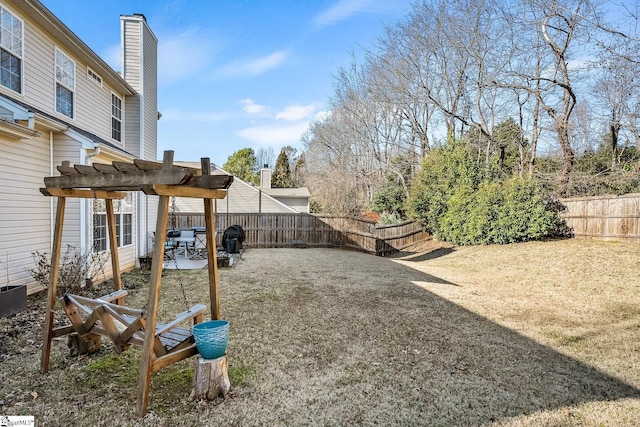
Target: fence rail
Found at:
x=264, y=230
x=604, y=217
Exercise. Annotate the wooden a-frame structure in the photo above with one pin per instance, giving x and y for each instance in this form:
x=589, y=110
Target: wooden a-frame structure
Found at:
x=110, y=182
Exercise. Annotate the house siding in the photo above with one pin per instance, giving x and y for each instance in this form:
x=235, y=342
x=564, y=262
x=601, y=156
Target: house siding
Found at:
x=26, y=216
x=24, y=213
x=149, y=90
x=241, y=198
x=132, y=41
x=66, y=148
x=92, y=102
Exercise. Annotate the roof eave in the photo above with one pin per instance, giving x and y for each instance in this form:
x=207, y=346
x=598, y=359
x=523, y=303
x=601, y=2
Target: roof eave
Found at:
x=38, y=12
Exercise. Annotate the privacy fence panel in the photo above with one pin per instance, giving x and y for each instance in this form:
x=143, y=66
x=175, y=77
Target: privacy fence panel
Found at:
x=264, y=230
x=604, y=217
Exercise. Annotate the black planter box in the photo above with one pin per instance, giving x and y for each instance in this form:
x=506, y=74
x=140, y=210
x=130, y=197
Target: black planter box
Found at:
x=13, y=299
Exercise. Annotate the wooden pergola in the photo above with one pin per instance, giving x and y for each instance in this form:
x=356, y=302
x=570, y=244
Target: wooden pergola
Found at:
x=162, y=344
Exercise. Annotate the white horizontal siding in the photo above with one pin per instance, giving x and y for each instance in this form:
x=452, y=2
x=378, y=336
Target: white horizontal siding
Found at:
x=92, y=102
x=66, y=148
x=241, y=198
x=24, y=213
x=150, y=90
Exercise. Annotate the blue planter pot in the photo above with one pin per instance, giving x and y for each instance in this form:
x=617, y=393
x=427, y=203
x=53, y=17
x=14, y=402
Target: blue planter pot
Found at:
x=211, y=338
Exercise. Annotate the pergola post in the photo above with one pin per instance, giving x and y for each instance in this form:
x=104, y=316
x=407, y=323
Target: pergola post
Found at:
x=212, y=253
x=53, y=285
x=113, y=248
x=146, y=358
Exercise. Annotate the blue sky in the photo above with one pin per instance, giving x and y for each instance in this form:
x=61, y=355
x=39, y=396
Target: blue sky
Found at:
x=238, y=73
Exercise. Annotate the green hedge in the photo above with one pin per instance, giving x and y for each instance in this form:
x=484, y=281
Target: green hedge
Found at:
x=459, y=203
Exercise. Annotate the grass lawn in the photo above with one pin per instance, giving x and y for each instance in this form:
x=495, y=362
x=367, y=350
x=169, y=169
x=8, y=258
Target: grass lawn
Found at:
x=540, y=333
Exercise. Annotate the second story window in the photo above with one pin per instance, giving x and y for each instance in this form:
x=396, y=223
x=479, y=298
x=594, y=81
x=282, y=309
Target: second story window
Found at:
x=65, y=83
x=10, y=51
x=116, y=118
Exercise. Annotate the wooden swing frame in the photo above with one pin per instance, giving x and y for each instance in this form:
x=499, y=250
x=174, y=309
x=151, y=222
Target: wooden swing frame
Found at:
x=111, y=182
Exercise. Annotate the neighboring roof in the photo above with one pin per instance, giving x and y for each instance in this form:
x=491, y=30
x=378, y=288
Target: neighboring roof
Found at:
x=40, y=14
x=298, y=192
x=242, y=197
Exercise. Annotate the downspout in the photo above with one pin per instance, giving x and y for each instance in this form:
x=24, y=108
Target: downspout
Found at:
x=85, y=206
x=143, y=223
x=51, y=199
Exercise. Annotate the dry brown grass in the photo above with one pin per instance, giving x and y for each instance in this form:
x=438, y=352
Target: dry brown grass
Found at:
x=529, y=334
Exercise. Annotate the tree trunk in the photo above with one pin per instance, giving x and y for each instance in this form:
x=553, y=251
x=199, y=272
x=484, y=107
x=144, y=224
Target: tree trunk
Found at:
x=568, y=156
x=211, y=379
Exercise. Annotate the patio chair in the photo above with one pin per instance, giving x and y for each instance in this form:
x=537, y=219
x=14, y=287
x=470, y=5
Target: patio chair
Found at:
x=199, y=245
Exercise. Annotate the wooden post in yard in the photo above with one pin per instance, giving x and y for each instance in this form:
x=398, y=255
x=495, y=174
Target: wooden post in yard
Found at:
x=53, y=285
x=113, y=248
x=146, y=358
x=212, y=255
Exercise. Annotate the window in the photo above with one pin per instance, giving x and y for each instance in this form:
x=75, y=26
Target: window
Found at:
x=93, y=76
x=65, y=83
x=99, y=226
x=123, y=210
x=10, y=51
x=116, y=118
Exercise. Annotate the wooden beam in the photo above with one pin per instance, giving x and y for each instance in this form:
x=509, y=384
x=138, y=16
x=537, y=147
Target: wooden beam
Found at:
x=66, y=169
x=174, y=357
x=212, y=181
x=53, y=286
x=105, y=168
x=146, y=358
x=86, y=170
x=128, y=180
x=113, y=247
x=125, y=166
x=63, y=330
x=212, y=257
x=192, y=313
x=83, y=194
x=182, y=191
x=147, y=165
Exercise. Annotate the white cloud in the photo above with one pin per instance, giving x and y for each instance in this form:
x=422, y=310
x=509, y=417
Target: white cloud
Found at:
x=251, y=107
x=296, y=112
x=274, y=135
x=256, y=66
x=182, y=55
x=341, y=10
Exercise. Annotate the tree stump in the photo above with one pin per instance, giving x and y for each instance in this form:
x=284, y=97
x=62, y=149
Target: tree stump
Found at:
x=211, y=379
x=90, y=344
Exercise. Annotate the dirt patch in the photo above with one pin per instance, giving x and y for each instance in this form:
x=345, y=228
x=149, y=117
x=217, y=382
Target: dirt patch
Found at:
x=529, y=334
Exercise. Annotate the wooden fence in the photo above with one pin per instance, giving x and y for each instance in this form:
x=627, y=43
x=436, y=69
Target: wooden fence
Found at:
x=306, y=230
x=604, y=217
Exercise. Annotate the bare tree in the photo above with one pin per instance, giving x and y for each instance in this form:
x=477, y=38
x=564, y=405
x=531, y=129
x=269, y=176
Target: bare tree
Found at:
x=265, y=156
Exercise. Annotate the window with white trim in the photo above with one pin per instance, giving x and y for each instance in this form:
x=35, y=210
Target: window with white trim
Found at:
x=116, y=117
x=65, y=83
x=123, y=211
x=10, y=50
